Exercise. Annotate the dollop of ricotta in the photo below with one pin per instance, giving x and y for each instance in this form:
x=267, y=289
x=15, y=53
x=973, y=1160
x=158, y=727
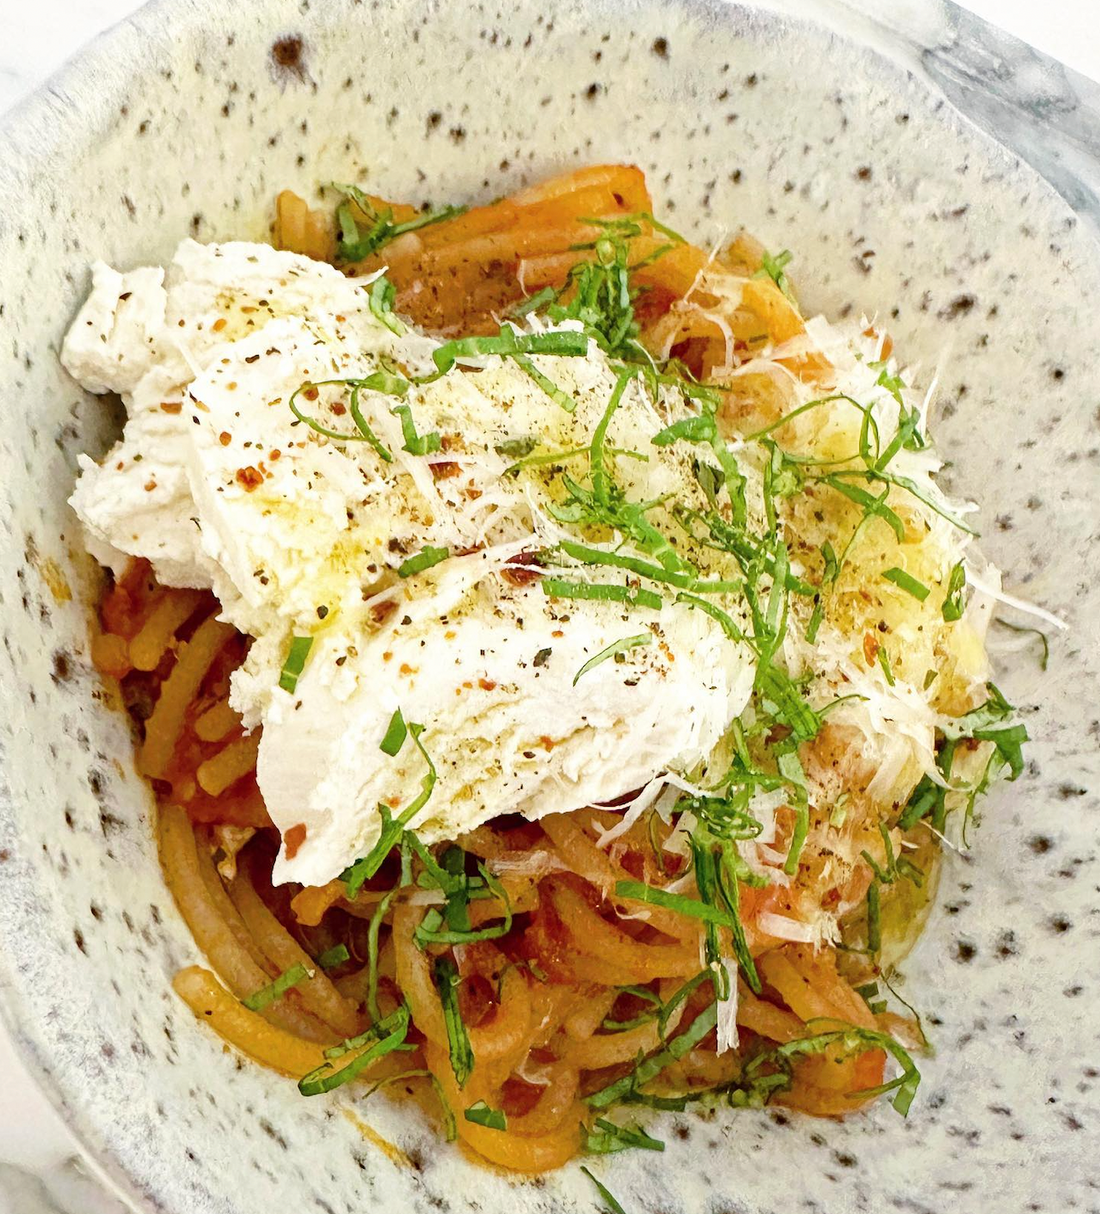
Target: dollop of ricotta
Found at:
x=219, y=485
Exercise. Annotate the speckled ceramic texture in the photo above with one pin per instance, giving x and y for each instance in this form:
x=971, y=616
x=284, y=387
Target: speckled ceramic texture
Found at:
x=186, y=121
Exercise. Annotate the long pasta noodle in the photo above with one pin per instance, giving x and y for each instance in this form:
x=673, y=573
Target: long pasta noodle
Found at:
x=523, y=1153
x=556, y=1104
x=178, y=690
x=232, y=960
x=414, y=975
x=248, y=1031
x=158, y=631
x=216, y=722
x=507, y=1027
x=596, y=937
x=284, y=952
x=232, y=763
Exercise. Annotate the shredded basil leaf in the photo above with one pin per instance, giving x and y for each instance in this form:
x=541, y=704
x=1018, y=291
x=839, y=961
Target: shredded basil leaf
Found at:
x=655, y=1063
x=605, y=1137
x=773, y=266
x=396, y=733
x=373, y=930
x=295, y=662
x=379, y=381
x=332, y=957
x=381, y=300
x=534, y=303
x=616, y=647
x=953, y=605
x=852, y=1040
x=446, y=979
x=657, y=573
x=873, y=507
x=355, y=244
x=508, y=343
x=613, y=1206
x=639, y=992
x=603, y=591
x=415, y=443
x=1043, y=639
x=1007, y=740
x=424, y=559
x=392, y=828
x=267, y=995
x=636, y=891
x=324, y=1079
x=380, y=1026
x=884, y=662
x=874, y=918
x=481, y=1114
x=908, y=583
x=558, y=395
x=458, y=931
x=517, y=448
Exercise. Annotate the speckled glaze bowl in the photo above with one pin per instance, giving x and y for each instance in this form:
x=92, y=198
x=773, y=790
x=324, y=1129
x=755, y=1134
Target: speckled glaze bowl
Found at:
x=187, y=120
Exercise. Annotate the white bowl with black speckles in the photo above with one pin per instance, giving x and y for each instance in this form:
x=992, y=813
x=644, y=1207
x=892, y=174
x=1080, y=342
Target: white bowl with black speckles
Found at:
x=186, y=121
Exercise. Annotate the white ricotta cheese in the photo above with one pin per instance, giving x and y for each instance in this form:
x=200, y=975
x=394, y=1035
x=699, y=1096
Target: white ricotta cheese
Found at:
x=218, y=485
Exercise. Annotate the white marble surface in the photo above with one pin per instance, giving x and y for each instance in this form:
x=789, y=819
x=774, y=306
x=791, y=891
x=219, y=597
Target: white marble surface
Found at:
x=38, y=1172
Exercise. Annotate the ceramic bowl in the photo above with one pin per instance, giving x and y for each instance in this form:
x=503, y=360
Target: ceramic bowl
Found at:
x=186, y=121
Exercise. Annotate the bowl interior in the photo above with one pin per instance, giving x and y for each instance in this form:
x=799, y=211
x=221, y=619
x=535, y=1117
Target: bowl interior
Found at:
x=186, y=121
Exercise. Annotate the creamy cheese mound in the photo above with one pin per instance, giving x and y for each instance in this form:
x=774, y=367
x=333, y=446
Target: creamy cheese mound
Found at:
x=299, y=534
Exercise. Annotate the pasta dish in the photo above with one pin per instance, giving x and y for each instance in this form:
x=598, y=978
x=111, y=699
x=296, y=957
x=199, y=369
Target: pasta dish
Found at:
x=555, y=662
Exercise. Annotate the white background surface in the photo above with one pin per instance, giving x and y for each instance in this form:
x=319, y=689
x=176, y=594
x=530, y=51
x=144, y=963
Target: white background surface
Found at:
x=37, y=38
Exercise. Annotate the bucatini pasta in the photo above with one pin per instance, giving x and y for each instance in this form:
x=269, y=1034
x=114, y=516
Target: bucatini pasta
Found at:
x=717, y=932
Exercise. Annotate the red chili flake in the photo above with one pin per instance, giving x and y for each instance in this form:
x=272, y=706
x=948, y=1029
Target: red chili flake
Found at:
x=220, y=324
x=293, y=840
x=150, y=486
x=339, y=409
x=486, y=684
x=311, y=393
x=405, y=668
x=231, y=385
x=225, y=438
x=381, y=612
x=777, y=734
x=274, y=454
x=870, y=648
x=387, y=656
x=171, y=406
x=547, y=742
x=524, y=576
x=445, y=469
x=250, y=478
